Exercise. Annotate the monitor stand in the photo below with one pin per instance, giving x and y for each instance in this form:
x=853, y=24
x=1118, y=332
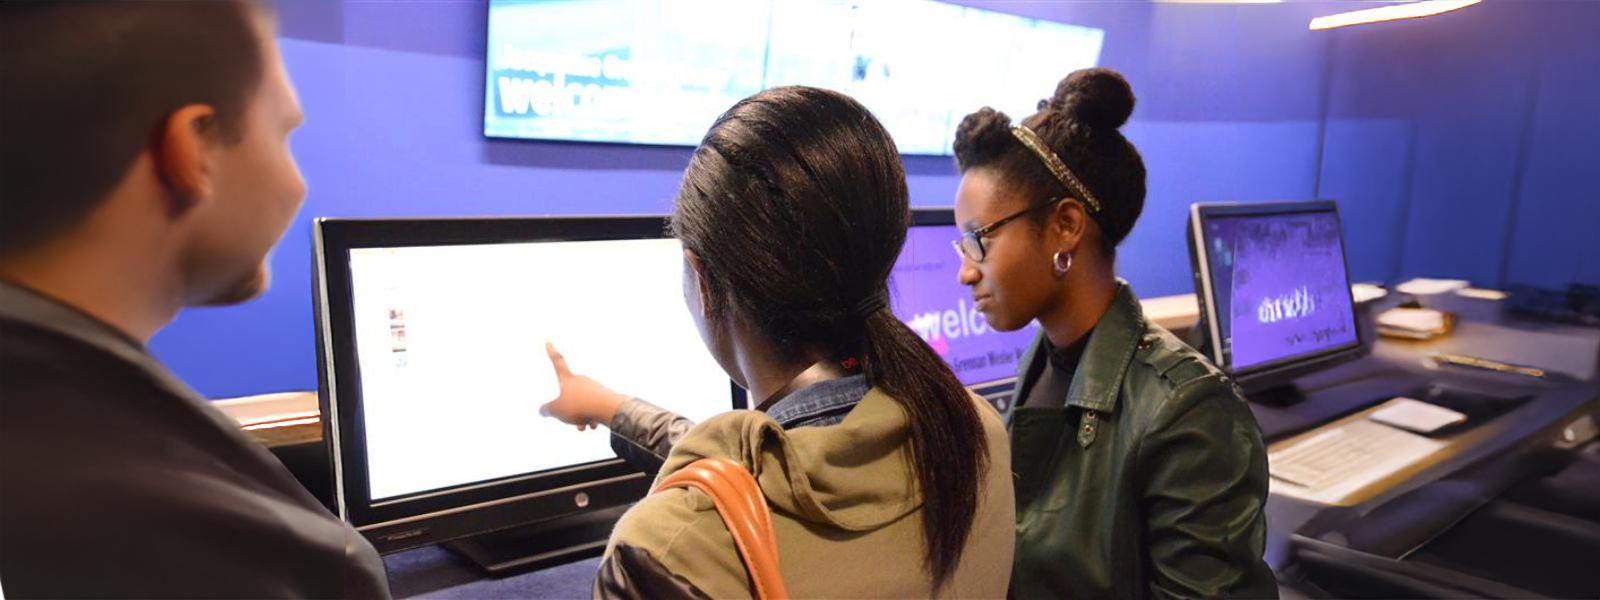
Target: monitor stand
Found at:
x=1287, y=394
x=538, y=545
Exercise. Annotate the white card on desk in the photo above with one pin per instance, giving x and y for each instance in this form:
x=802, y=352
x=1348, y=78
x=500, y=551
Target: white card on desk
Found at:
x=1412, y=319
x=1415, y=415
x=1481, y=294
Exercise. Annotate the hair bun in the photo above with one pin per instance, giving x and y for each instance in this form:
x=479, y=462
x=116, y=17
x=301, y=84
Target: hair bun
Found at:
x=1098, y=97
x=980, y=130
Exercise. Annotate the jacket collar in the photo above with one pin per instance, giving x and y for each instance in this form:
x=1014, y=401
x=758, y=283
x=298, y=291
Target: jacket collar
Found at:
x=1105, y=360
x=26, y=306
x=23, y=305
x=819, y=403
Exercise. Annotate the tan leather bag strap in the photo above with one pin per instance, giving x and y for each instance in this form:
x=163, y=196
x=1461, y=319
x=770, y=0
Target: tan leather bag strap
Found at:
x=743, y=508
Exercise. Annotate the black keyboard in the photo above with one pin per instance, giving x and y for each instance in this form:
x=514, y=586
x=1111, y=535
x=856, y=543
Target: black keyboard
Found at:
x=1578, y=304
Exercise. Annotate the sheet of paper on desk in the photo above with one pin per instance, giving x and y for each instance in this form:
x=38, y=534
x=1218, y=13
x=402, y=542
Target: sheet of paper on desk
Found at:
x=1423, y=286
x=1366, y=292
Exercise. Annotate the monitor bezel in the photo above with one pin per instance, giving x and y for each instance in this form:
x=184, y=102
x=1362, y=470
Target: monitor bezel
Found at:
x=1280, y=371
x=594, y=485
x=933, y=216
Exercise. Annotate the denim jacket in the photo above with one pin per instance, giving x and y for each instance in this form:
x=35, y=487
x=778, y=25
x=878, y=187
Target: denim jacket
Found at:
x=642, y=434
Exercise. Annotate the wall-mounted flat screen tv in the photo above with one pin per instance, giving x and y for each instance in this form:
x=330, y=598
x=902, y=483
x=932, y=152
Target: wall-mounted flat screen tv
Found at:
x=660, y=71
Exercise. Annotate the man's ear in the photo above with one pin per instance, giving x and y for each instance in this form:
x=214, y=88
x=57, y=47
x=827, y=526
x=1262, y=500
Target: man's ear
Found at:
x=1068, y=223
x=182, y=151
x=702, y=291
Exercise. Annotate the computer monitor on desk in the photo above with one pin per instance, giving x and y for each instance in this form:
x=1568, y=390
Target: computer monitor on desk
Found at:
x=926, y=293
x=1274, y=292
x=431, y=340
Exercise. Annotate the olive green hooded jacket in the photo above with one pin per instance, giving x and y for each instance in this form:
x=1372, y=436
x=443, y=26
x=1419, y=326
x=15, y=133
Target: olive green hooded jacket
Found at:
x=845, y=507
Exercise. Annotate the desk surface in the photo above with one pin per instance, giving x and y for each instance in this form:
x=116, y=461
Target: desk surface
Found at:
x=1394, y=367
x=434, y=572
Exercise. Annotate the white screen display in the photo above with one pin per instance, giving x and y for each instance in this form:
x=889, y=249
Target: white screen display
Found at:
x=451, y=346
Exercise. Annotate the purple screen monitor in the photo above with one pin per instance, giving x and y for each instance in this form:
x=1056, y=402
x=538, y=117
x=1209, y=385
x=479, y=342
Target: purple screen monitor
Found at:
x=928, y=296
x=1280, y=287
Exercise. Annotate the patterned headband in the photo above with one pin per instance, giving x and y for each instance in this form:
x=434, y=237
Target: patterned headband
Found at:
x=1059, y=169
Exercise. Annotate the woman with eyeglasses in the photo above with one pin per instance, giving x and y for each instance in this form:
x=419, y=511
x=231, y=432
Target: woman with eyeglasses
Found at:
x=1140, y=471
x=886, y=477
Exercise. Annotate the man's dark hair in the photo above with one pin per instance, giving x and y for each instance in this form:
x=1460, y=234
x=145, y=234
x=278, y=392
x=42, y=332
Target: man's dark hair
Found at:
x=85, y=85
x=1080, y=124
x=796, y=204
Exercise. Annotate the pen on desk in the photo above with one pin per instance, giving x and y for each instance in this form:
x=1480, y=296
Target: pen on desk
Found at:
x=1462, y=360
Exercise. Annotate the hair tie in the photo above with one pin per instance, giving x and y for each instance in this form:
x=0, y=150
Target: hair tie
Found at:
x=871, y=305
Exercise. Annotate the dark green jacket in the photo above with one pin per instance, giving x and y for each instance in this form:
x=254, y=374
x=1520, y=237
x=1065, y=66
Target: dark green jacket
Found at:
x=1149, y=482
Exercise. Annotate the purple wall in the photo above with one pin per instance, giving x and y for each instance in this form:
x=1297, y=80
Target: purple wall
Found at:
x=1454, y=146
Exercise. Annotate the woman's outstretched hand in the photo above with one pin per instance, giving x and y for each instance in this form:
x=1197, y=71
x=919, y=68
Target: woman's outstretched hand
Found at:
x=583, y=401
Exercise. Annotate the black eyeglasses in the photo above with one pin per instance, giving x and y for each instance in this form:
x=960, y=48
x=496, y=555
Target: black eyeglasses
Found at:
x=970, y=244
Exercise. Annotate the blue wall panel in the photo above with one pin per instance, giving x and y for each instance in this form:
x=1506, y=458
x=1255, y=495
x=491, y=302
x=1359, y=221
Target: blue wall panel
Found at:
x=1501, y=98
x=1365, y=163
x=1207, y=162
x=1556, y=240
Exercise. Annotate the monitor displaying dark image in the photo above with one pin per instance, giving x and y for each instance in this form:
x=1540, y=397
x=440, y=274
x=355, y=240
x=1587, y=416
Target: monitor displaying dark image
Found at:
x=1274, y=284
